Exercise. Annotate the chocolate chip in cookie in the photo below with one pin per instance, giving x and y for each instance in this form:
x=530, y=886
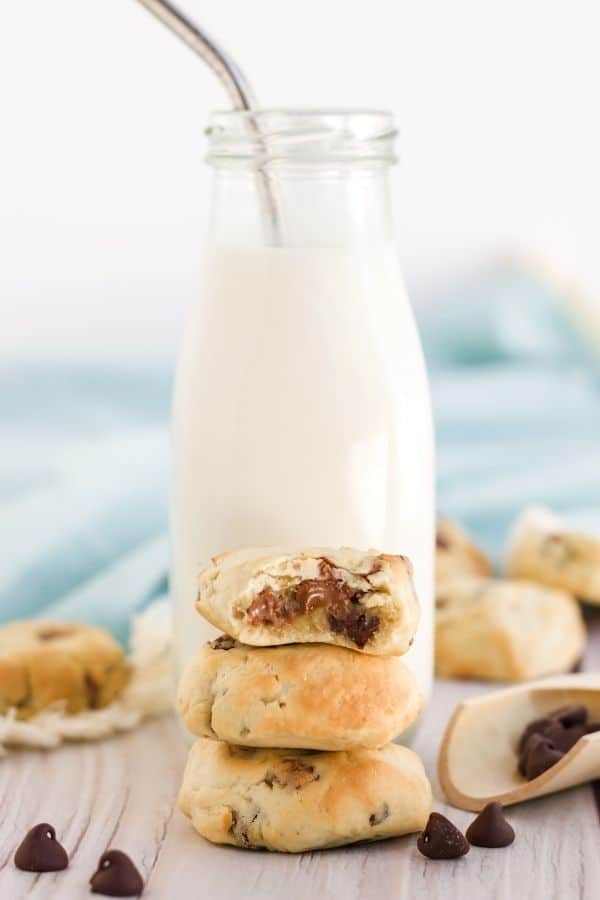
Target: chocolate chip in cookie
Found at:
x=441, y=541
x=294, y=774
x=223, y=642
x=39, y=851
x=380, y=816
x=54, y=632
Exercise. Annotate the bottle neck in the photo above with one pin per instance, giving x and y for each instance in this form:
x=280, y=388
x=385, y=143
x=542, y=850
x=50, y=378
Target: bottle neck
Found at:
x=328, y=206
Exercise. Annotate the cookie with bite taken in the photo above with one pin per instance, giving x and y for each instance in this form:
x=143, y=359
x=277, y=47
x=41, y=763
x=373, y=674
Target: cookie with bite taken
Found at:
x=363, y=600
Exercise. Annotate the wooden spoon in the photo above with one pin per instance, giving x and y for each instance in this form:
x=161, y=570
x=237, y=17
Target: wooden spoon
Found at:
x=478, y=758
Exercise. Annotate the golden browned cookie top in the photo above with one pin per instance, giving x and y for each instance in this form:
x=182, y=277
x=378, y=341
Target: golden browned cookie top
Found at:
x=545, y=549
x=315, y=696
x=505, y=630
x=46, y=663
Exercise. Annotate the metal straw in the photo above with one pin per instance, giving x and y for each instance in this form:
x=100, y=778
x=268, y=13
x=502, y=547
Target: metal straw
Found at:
x=236, y=85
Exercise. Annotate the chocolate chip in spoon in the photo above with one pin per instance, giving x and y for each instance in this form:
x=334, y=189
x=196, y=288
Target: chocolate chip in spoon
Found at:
x=545, y=741
x=560, y=737
x=116, y=876
x=563, y=737
x=563, y=727
x=39, y=851
x=540, y=754
x=532, y=742
x=441, y=839
x=490, y=828
x=570, y=715
x=538, y=726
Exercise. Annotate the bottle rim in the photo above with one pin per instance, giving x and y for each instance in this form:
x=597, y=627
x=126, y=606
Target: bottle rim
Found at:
x=302, y=135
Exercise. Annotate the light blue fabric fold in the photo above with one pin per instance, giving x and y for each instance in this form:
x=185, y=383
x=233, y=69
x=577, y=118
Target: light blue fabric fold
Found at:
x=83, y=492
x=504, y=314
x=516, y=395
x=84, y=450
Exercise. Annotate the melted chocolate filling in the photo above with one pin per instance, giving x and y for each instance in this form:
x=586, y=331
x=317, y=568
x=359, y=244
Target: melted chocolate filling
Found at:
x=358, y=626
x=344, y=613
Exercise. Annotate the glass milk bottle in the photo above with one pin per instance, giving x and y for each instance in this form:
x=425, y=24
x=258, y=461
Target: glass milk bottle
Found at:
x=301, y=411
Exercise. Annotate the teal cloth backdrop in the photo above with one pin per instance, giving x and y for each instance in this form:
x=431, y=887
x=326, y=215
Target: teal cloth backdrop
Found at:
x=84, y=467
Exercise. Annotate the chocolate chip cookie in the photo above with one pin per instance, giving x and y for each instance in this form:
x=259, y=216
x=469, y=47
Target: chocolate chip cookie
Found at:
x=43, y=663
x=543, y=549
x=505, y=630
x=293, y=801
x=361, y=600
x=314, y=696
x=456, y=554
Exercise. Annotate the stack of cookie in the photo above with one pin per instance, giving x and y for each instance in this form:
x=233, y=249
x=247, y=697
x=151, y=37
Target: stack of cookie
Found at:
x=296, y=704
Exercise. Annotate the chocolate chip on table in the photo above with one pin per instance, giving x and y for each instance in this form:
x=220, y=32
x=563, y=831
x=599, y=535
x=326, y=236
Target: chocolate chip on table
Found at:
x=441, y=839
x=116, y=876
x=490, y=828
x=39, y=851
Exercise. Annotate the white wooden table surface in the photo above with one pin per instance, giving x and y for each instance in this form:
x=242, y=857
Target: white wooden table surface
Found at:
x=121, y=793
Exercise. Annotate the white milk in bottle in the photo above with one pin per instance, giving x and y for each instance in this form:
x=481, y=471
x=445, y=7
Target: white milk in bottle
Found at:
x=301, y=411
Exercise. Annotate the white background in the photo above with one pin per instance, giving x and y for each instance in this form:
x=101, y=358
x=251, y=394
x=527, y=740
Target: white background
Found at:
x=103, y=189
